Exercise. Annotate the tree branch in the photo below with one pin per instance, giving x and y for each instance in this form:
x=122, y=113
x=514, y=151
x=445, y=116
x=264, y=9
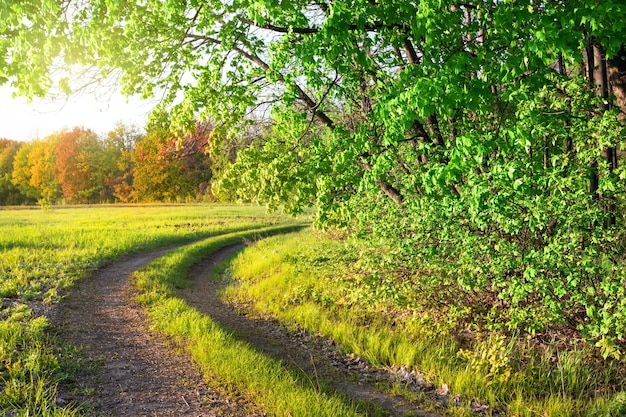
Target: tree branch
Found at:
x=280, y=29
x=307, y=30
x=310, y=103
x=391, y=192
x=410, y=51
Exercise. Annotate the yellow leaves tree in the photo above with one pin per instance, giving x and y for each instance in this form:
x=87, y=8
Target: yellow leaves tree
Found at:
x=42, y=161
x=33, y=170
x=9, y=193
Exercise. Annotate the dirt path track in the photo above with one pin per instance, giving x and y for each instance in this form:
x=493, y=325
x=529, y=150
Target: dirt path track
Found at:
x=127, y=370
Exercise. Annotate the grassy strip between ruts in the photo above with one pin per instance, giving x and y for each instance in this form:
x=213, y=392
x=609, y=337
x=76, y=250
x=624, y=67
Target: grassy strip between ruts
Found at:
x=264, y=380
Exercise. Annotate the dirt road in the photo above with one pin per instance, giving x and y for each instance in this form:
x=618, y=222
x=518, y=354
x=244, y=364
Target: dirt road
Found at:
x=128, y=370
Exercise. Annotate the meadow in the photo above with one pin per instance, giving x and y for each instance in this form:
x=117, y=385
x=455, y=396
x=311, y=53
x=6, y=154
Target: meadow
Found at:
x=44, y=252
x=343, y=289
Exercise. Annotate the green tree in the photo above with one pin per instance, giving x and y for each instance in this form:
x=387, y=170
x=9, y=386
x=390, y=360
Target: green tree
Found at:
x=466, y=133
x=118, y=164
x=269, y=169
x=381, y=77
x=32, y=35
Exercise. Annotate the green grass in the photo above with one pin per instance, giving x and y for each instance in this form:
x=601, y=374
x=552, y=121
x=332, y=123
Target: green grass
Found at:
x=43, y=253
x=342, y=290
x=222, y=357
x=339, y=288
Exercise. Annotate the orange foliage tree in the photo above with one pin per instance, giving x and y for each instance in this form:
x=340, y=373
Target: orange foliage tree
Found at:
x=78, y=170
x=167, y=168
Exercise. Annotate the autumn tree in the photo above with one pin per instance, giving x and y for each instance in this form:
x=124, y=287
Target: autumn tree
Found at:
x=79, y=167
x=167, y=168
x=118, y=145
x=9, y=193
x=21, y=174
x=194, y=154
x=40, y=169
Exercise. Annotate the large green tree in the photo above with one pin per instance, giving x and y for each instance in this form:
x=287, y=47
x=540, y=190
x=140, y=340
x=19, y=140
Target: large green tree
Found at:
x=479, y=134
x=395, y=81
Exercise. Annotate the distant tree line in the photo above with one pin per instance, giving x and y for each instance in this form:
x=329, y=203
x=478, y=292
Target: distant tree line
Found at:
x=78, y=166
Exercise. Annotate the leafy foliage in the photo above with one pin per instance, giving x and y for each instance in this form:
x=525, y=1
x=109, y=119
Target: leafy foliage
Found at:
x=77, y=166
x=480, y=137
x=9, y=193
x=350, y=291
x=274, y=169
x=167, y=168
x=41, y=163
x=20, y=175
x=118, y=147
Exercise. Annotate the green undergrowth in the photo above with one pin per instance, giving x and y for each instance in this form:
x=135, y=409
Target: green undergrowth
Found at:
x=43, y=253
x=345, y=291
x=222, y=357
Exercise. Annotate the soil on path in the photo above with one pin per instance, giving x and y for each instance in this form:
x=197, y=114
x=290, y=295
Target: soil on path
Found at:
x=127, y=370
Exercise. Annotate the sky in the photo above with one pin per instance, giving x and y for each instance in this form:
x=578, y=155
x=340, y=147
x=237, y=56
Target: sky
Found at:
x=22, y=121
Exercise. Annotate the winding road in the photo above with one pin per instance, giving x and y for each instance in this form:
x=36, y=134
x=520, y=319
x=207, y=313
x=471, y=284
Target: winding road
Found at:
x=125, y=369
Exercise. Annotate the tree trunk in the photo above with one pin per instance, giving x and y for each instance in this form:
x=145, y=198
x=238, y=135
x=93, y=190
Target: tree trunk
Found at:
x=606, y=77
x=617, y=78
x=591, y=64
x=569, y=143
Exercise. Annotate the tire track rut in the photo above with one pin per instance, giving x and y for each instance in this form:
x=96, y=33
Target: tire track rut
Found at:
x=302, y=352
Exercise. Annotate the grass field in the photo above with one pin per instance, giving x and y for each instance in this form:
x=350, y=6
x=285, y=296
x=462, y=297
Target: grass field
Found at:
x=340, y=288
x=44, y=252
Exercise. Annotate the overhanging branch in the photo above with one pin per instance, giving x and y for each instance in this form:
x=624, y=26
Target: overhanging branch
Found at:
x=255, y=59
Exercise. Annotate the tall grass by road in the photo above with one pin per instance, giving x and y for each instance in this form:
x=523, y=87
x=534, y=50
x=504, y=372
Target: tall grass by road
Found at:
x=346, y=291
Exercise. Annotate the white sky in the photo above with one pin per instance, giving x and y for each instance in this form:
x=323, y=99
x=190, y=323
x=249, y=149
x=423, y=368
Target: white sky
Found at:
x=22, y=121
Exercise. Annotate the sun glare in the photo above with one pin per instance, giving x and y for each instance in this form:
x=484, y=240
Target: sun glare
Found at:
x=27, y=121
